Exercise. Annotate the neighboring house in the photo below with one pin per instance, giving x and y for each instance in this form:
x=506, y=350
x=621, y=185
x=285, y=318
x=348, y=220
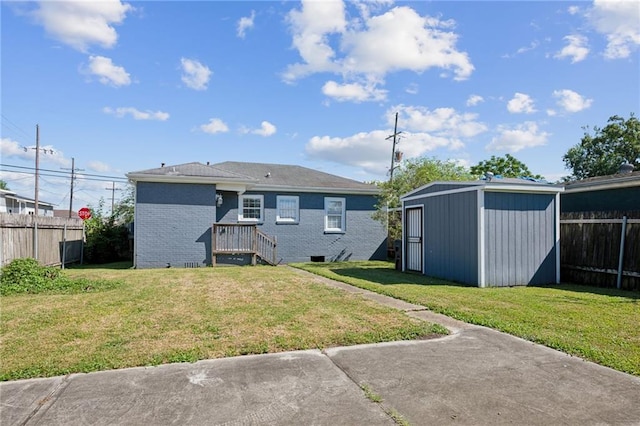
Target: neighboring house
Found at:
x=312, y=215
x=490, y=233
x=619, y=192
x=65, y=213
x=12, y=203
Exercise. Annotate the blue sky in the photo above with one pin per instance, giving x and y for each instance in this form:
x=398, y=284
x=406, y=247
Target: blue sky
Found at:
x=125, y=86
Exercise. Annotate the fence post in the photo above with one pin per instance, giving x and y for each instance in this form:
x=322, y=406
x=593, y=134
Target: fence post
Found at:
x=64, y=244
x=35, y=238
x=621, y=257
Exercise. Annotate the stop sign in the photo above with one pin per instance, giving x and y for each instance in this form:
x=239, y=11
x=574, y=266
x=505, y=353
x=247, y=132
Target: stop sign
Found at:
x=84, y=213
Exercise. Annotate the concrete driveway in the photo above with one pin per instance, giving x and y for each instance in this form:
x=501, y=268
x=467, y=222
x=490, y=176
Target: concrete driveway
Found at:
x=476, y=376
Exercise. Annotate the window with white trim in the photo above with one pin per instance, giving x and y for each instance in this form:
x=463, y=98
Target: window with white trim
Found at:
x=251, y=208
x=288, y=209
x=334, y=214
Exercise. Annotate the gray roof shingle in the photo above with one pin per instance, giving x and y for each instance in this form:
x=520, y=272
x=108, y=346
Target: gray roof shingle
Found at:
x=259, y=175
x=291, y=176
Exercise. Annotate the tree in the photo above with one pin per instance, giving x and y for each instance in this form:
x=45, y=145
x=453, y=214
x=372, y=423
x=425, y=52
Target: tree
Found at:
x=124, y=209
x=410, y=175
x=507, y=166
x=107, y=237
x=3, y=185
x=602, y=152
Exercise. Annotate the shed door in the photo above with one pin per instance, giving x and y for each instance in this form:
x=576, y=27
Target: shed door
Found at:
x=413, y=249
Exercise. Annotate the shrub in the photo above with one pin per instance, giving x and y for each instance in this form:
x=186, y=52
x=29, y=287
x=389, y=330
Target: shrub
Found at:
x=28, y=276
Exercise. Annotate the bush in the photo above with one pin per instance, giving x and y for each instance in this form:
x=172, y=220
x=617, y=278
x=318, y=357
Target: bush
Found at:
x=28, y=276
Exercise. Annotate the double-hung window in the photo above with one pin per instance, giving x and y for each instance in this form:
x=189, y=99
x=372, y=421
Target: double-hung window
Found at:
x=251, y=208
x=334, y=214
x=288, y=209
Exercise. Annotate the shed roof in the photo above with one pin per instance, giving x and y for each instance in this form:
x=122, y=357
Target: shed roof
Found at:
x=494, y=184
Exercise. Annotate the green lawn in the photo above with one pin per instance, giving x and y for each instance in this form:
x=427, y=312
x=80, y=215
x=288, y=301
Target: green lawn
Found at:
x=173, y=315
x=597, y=324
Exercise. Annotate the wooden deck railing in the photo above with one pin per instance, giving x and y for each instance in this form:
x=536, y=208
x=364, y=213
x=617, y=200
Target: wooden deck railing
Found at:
x=241, y=238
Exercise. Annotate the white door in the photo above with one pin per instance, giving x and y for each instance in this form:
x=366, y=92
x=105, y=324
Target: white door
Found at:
x=413, y=235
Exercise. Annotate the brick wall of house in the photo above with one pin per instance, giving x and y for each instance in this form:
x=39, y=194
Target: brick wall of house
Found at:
x=173, y=224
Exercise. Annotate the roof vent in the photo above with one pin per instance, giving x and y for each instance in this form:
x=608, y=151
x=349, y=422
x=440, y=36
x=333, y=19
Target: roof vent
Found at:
x=626, y=168
x=268, y=175
x=161, y=164
x=488, y=176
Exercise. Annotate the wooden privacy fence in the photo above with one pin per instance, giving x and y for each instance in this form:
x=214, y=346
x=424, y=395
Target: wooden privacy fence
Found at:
x=237, y=238
x=601, y=249
x=50, y=240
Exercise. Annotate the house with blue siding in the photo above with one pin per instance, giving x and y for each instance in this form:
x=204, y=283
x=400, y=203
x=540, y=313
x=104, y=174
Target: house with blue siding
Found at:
x=618, y=192
x=195, y=214
x=496, y=232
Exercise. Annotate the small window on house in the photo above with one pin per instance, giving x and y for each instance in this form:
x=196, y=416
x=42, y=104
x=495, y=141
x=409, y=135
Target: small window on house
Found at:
x=334, y=214
x=288, y=209
x=251, y=208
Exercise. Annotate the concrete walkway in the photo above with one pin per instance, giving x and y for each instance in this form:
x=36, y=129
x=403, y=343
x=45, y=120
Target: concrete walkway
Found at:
x=475, y=376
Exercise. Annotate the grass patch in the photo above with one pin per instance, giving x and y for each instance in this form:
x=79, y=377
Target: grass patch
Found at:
x=601, y=325
x=372, y=396
x=177, y=315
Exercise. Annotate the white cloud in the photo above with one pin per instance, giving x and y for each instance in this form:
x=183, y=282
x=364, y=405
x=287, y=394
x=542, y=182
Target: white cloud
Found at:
x=401, y=39
x=10, y=148
x=215, y=125
x=245, y=23
x=521, y=103
x=525, y=135
x=311, y=26
x=370, y=46
x=98, y=166
x=534, y=44
x=48, y=153
x=107, y=72
x=423, y=130
x=355, y=92
x=266, y=129
x=194, y=74
x=573, y=10
x=137, y=114
x=371, y=150
x=575, y=49
x=443, y=122
x=412, y=89
x=619, y=22
x=571, y=101
x=81, y=24
x=474, y=100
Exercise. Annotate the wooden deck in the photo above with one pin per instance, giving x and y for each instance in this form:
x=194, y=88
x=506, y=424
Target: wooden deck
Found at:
x=241, y=238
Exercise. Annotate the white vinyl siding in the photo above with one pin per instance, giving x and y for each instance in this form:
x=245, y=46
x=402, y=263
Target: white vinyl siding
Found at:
x=288, y=209
x=251, y=208
x=334, y=214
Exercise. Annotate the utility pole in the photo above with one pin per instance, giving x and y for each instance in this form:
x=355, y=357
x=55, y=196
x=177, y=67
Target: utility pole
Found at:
x=395, y=157
x=113, y=190
x=37, y=207
x=73, y=178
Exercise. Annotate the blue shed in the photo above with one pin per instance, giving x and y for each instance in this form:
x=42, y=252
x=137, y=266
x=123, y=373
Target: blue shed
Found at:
x=489, y=233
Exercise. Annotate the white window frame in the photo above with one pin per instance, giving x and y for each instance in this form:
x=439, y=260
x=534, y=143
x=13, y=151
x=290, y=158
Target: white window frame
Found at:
x=296, y=215
x=241, y=199
x=343, y=216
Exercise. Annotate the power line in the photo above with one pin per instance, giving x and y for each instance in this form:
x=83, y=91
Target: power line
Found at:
x=66, y=174
x=15, y=126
